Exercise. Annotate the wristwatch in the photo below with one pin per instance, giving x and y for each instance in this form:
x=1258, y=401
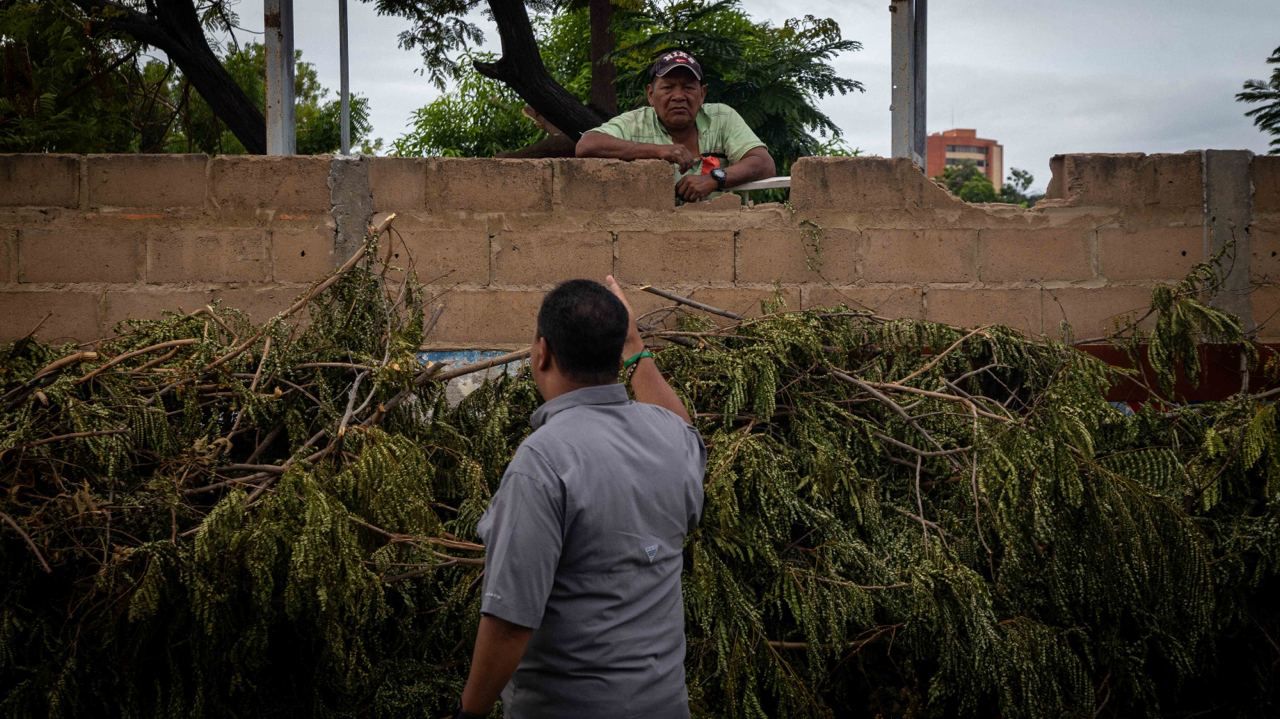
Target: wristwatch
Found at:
x=719, y=176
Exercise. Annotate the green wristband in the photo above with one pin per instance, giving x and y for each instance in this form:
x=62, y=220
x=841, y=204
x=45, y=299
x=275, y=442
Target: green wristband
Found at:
x=626, y=364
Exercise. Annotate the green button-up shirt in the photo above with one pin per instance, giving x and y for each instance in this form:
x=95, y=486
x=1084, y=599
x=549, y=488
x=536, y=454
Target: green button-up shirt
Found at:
x=720, y=130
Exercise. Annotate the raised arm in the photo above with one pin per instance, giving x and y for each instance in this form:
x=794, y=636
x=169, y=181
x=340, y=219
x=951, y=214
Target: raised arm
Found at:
x=648, y=384
x=598, y=144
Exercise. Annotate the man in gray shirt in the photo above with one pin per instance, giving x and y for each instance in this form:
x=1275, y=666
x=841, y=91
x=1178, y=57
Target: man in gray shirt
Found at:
x=582, y=613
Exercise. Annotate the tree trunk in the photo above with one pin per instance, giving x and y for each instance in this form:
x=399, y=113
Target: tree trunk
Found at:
x=173, y=27
x=521, y=68
x=604, y=95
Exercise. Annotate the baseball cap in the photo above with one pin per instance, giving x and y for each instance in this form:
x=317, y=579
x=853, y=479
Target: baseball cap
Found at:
x=669, y=61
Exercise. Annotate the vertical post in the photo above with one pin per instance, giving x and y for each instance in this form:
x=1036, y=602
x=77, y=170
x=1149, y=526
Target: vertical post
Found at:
x=346, y=83
x=278, y=22
x=908, y=56
x=918, y=84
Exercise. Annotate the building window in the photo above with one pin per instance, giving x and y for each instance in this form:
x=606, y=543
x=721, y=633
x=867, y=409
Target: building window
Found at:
x=967, y=148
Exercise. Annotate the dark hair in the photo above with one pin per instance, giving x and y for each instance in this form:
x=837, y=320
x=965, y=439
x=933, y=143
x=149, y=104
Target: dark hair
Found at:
x=584, y=326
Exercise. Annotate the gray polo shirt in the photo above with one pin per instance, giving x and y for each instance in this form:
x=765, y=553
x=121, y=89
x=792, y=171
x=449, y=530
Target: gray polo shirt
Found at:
x=584, y=543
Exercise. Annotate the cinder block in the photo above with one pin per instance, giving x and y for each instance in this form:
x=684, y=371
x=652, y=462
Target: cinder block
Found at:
x=153, y=181
x=919, y=255
x=209, y=255
x=1093, y=313
x=894, y=303
x=726, y=202
x=1150, y=253
x=547, y=258
x=597, y=185
x=399, y=184
x=39, y=180
x=8, y=255
x=249, y=183
x=301, y=254
x=79, y=254
x=149, y=303
x=861, y=183
x=1042, y=254
x=1019, y=309
x=62, y=316
x=1264, y=250
x=445, y=256
x=675, y=257
x=486, y=318
x=792, y=255
x=1134, y=180
x=1266, y=183
x=261, y=302
x=484, y=185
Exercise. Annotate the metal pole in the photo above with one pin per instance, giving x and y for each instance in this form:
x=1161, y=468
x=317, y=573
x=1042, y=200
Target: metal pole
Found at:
x=918, y=85
x=346, y=84
x=278, y=22
x=908, y=62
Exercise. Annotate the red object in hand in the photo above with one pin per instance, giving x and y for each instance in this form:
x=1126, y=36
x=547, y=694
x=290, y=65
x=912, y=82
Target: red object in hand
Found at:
x=709, y=163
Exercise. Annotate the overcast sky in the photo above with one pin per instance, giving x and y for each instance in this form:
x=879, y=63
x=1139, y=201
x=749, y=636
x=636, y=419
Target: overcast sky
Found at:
x=1040, y=77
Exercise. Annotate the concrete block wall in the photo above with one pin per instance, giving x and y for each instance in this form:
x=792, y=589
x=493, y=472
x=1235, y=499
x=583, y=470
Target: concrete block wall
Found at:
x=86, y=241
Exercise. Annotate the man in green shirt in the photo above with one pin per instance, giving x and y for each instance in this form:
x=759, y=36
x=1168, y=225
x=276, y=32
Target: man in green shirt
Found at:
x=710, y=143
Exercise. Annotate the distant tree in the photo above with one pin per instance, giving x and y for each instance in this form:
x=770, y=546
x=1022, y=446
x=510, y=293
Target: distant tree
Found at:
x=1015, y=189
x=1267, y=94
x=967, y=182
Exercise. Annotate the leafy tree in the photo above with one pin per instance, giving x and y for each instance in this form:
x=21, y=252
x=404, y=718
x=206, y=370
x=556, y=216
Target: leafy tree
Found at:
x=481, y=117
x=967, y=182
x=1267, y=93
x=71, y=87
x=772, y=75
x=1015, y=189
x=65, y=89
x=440, y=28
x=317, y=129
x=177, y=28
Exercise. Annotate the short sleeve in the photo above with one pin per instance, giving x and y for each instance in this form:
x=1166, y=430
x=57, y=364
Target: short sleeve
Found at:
x=523, y=535
x=738, y=137
x=618, y=126
x=697, y=453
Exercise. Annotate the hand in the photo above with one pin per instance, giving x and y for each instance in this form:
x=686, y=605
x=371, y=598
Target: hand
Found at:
x=677, y=154
x=695, y=187
x=634, y=343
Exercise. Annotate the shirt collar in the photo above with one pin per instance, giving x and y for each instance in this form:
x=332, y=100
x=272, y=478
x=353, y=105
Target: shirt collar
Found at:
x=596, y=394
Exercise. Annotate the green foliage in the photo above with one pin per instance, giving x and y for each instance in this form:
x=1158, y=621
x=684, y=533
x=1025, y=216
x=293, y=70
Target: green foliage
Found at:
x=65, y=90
x=1266, y=94
x=318, y=129
x=79, y=90
x=966, y=181
x=479, y=118
x=1014, y=190
x=902, y=519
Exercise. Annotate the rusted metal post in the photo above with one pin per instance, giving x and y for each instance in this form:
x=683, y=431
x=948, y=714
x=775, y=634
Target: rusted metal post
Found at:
x=278, y=21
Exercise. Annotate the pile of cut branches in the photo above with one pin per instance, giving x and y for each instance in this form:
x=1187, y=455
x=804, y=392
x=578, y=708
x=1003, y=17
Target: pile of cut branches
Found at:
x=206, y=517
